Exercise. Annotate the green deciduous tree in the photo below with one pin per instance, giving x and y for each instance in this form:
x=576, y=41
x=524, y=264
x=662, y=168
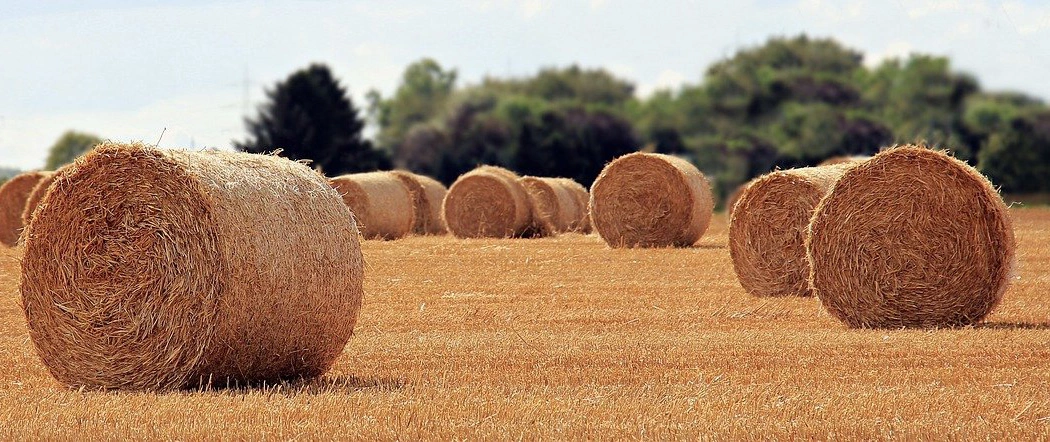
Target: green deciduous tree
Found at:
x=68, y=147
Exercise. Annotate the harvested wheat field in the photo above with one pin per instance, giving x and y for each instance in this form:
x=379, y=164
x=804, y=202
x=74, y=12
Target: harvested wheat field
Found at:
x=567, y=338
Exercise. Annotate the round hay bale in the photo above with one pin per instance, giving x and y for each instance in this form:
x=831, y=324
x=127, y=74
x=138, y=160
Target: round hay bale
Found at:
x=582, y=223
x=767, y=229
x=380, y=201
x=844, y=160
x=427, y=196
x=910, y=238
x=13, y=197
x=650, y=200
x=36, y=195
x=156, y=269
x=487, y=202
x=554, y=206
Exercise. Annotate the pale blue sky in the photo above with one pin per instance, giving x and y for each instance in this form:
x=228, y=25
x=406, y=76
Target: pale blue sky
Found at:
x=128, y=69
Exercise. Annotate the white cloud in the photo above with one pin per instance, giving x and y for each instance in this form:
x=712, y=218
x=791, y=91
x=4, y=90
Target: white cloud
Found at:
x=597, y=4
x=668, y=79
x=532, y=8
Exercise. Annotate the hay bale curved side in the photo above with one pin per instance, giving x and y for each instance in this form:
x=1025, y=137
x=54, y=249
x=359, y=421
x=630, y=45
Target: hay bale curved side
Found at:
x=910, y=238
x=427, y=196
x=13, y=197
x=767, y=229
x=582, y=223
x=156, y=269
x=380, y=201
x=650, y=200
x=487, y=202
x=554, y=207
x=733, y=197
x=36, y=195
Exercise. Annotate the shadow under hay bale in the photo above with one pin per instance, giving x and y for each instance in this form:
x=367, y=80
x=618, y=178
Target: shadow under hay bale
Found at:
x=487, y=202
x=650, y=200
x=427, y=196
x=14, y=195
x=910, y=238
x=768, y=227
x=158, y=269
x=381, y=203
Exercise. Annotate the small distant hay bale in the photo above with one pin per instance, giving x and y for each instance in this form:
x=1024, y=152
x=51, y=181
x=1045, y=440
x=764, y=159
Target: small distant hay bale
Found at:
x=845, y=159
x=650, y=200
x=582, y=223
x=380, y=201
x=554, y=207
x=13, y=197
x=427, y=196
x=487, y=202
x=910, y=238
x=767, y=229
x=159, y=269
x=36, y=195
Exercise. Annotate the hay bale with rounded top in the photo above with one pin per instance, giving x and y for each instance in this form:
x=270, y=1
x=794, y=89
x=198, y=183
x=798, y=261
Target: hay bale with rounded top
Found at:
x=582, y=223
x=650, y=200
x=910, y=238
x=427, y=196
x=487, y=202
x=845, y=159
x=767, y=229
x=157, y=269
x=380, y=202
x=36, y=195
x=554, y=206
x=13, y=197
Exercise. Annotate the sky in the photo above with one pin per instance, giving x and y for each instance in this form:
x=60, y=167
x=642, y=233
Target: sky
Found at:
x=192, y=70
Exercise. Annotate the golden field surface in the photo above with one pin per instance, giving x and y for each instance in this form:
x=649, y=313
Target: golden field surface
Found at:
x=566, y=338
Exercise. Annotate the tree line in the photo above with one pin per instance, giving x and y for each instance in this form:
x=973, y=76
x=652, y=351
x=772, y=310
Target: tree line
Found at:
x=790, y=102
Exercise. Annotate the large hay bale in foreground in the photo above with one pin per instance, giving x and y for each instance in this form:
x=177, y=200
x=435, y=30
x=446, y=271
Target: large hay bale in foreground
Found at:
x=910, y=238
x=36, y=195
x=427, y=196
x=381, y=203
x=767, y=229
x=156, y=269
x=554, y=207
x=650, y=200
x=582, y=223
x=487, y=202
x=13, y=197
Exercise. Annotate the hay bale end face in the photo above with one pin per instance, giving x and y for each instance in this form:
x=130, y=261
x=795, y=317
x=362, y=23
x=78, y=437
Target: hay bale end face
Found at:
x=910, y=238
x=427, y=196
x=380, y=202
x=487, y=202
x=554, y=207
x=157, y=269
x=13, y=197
x=650, y=200
x=768, y=226
x=36, y=195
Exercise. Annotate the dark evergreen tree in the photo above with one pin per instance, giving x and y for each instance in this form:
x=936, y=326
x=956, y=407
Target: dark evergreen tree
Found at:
x=309, y=116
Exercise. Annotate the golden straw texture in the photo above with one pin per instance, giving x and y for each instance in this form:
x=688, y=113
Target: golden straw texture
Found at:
x=582, y=223
x=844, y=160
x=36, y=195
x=380, y=202
x=487, y=202
x=768, y=227
x=427, y=196
x=158, y=269
x=650, y=200
x=910, y=238
x=554, y=206
x=733, y=197
x=13, y=197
